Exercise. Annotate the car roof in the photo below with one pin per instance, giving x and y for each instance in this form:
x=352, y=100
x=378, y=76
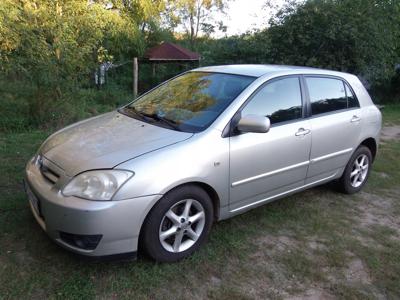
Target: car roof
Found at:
x=260, y=70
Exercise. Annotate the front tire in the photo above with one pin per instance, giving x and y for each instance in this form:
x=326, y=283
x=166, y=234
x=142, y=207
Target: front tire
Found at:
x=357, y=171
x=178, y=224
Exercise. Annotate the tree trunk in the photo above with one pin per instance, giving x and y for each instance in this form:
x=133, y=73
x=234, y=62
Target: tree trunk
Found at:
x=135, y=77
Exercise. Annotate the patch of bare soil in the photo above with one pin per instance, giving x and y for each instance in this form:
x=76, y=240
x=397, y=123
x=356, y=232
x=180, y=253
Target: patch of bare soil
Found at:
x=378, y=210
x=312, y=294
x=357, y=272
x=282, y=284
x=277, y=243
x=390, y=133
x=373, y=210
x=382, y=175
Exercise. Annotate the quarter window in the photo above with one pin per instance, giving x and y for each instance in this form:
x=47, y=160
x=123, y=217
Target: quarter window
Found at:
x=351, y=99
x=279, y=100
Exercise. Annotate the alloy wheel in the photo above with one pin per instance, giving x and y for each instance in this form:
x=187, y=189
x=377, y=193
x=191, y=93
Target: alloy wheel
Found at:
x=182, y=225
x=359, y=170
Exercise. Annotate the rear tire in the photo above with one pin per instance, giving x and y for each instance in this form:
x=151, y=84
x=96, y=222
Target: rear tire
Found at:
x=178, y=224
x=357, y=171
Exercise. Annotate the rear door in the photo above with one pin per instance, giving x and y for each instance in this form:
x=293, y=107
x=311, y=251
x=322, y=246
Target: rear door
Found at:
x=335, y=124
x=266, y=164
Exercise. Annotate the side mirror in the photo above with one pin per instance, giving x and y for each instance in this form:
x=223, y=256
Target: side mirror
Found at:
x=254, y=123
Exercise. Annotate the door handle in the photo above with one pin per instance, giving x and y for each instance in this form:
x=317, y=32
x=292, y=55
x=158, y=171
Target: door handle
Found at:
x=355, y=118
x=302, y=131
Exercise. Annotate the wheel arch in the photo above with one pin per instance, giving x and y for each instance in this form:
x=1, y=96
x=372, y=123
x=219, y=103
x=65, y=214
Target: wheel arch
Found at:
x=371, y=144
x=208, y=189
x=212, y=193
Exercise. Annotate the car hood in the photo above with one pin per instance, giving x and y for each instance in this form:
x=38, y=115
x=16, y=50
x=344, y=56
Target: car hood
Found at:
x=105, y=141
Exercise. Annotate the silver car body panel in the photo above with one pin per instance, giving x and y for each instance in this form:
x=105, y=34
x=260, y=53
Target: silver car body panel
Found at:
x=75, y=215
x=105, y=141
x=244, y=170
x=327, y=154
x=253, y=176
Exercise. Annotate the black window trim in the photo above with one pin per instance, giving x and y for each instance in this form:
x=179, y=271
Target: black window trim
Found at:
x=352, y=92
x=229, y=130
x=344, y=81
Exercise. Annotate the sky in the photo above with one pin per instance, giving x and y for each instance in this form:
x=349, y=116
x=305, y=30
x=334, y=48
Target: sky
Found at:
x=244, y=15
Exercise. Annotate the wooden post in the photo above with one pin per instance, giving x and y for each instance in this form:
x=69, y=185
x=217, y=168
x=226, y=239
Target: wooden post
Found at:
x=135, y=77
x=154, y=70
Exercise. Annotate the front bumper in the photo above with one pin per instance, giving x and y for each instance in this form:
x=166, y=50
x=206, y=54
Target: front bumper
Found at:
x=117, y=222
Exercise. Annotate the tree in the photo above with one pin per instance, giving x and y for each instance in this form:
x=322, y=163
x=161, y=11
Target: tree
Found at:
x=247, y=48
x=196, y=16
x=53, y=47
x=144, y=13
x=357, y=36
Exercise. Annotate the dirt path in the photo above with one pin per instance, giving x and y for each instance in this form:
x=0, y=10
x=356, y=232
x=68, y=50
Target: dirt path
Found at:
x=390, y=133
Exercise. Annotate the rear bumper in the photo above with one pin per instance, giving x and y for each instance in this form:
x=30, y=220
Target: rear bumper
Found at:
x=118, y=223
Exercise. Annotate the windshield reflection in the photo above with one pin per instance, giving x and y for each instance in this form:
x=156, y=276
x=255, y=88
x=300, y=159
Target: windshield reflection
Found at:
x=190, y=102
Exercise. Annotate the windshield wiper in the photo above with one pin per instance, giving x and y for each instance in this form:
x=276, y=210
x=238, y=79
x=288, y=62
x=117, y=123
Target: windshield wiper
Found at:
x=129, y=110
x=153, y=116
x=171, y=123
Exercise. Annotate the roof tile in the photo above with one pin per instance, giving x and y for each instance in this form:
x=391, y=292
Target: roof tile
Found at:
x=170, y=51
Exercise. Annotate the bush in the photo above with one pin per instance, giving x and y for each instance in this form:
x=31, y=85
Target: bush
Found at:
x=48, y=51
x=54, y=112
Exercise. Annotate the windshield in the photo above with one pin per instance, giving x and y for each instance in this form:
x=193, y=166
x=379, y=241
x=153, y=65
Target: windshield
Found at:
x=190, y=102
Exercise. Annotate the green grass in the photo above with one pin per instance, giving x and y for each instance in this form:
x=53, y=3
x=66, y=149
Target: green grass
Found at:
x=280, y=249
x=391, y=114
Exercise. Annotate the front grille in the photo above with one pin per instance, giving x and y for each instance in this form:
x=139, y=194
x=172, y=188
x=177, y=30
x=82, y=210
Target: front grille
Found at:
x=49, y=174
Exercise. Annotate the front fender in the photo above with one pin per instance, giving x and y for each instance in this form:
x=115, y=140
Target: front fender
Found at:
x=203, y=158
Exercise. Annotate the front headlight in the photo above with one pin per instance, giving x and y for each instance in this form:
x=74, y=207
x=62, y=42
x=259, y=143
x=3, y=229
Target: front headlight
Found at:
x=97, y=185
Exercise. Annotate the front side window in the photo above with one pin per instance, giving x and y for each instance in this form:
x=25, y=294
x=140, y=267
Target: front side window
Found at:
x=326, y=94
x=279, y=100
x=190, y=102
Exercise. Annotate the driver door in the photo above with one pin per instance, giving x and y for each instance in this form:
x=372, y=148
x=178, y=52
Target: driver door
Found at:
x=263, y=165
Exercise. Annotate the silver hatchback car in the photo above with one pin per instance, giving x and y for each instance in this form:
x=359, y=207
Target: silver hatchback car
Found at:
x=204, y=146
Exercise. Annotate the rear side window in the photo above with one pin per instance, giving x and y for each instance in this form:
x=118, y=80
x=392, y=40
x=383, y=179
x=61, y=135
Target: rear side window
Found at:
x=279, y=100
x=326, y=94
